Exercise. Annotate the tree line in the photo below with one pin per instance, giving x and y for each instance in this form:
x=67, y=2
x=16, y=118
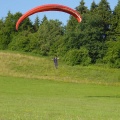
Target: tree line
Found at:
x=95, y=40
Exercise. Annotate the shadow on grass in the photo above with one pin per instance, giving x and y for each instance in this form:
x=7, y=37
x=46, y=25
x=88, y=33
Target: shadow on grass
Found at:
x=103, y=96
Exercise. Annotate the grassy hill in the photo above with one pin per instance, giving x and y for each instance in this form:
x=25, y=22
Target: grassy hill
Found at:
x=29, y=66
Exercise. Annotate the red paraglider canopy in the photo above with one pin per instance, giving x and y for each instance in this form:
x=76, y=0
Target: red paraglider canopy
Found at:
x=49, y=7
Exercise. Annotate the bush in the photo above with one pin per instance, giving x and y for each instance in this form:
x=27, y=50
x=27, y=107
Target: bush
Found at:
x=77, y=57
x=112, y=57
x=19, y=44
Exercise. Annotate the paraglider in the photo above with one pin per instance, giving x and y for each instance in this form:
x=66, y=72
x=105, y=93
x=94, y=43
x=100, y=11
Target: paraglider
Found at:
x=49, y=7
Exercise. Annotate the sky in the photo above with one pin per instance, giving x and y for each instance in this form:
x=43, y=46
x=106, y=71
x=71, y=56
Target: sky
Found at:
x=24, y=5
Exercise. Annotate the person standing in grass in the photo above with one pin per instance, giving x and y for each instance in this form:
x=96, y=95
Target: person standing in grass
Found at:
x=55, y=60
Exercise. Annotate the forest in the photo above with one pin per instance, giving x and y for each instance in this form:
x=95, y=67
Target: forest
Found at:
x=96, y=40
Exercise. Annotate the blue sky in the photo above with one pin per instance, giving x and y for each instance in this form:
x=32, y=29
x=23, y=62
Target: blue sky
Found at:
x=25, y=5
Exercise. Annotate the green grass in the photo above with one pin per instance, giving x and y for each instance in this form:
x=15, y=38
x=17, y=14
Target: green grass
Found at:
x=31, y=99
x=27, y=66
x=32, y=89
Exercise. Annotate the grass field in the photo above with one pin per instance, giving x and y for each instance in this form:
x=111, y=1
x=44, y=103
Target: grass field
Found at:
x=30, y=99
x=32, y=89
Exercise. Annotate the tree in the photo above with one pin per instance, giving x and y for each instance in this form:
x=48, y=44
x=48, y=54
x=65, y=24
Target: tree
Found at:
x=71, y=33
x=7, y=30
x=82, y=9
x=89, y=36
x=93, y=7
x=115, y=23
x=71, y=25
x=48, y=34
x=20, y=42
x=112, y=56
x=105, y=12
x=36, y=24
x=44, y=19
x=2, y=35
